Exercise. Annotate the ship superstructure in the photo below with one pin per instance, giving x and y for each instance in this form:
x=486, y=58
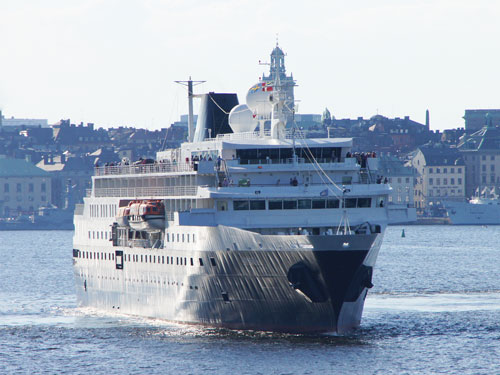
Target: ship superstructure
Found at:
x=255, y=229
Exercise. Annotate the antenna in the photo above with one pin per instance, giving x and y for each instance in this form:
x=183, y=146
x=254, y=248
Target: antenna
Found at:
x=189, y=84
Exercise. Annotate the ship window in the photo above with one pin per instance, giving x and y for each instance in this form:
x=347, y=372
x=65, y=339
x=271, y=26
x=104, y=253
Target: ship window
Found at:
x=290, y=205
x=350, y=202
x=346, y=180
x=364, y=202
x=257, y=204
x=150, y=259
x=240, y=205
x=318, y=203
x=163, y=259
x=212, y=261
x=201, y=262
x=221, y=205
x=182, y=237
x=275, y=205
x=194, y=240
x=332, y=203
x=177, y=237
x=168, y=237
x=192, y=262
x=141, y=259
x=171, y=260
x=185, y=261
x=177, y=260
x=304, y=204
x=89, y=235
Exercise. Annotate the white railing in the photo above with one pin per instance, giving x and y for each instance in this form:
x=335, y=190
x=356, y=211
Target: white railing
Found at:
x=145, y=191
x=289, y=134
x=182, y=166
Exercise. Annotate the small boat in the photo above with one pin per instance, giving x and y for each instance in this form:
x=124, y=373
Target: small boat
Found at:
x=148, y=215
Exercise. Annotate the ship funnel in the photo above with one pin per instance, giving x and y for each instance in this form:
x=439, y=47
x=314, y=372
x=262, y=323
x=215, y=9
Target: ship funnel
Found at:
x=213, y=115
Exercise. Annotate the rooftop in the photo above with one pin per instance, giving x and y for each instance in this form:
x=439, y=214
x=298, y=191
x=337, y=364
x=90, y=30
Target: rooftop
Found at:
x=20, y=168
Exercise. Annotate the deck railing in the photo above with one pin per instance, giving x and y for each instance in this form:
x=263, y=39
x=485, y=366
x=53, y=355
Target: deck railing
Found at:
x=145, y=191
x=144, y=168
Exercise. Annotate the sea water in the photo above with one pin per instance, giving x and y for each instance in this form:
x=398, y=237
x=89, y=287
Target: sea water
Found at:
x=435, y=308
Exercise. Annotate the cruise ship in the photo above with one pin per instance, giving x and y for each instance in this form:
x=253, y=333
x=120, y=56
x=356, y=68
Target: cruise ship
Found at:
x=248, y=225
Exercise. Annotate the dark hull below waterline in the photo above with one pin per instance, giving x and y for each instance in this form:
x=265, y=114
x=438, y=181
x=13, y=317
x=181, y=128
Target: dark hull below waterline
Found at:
x=296, y=291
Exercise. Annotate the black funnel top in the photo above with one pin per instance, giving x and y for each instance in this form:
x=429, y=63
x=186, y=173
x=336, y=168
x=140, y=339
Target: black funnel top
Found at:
x=213, y=115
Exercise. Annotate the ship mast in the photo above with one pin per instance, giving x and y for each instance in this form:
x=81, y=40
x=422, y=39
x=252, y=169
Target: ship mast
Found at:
x=189, y=83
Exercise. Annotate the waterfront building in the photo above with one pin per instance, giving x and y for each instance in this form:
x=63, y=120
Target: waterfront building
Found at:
x=440, y=176
x=23, y=187
x=481, y=154
x=475, y=119
x=22, y=122
x=68, y=172
x=401, y=178
x=79, y=137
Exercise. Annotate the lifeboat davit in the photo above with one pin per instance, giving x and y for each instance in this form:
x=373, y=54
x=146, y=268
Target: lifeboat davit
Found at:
x=148, y=215
x=122, y=217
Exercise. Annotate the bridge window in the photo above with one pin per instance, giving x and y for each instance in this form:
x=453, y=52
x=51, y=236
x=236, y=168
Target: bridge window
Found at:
x=318, y=203
x=350, y=202
x=290, y=205
x=276, y=205
x=241, y=205
x=364, y=202
x=304, y=204
x=257, y=204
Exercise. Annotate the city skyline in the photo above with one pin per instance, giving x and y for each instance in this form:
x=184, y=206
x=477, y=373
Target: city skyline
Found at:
x=113, y=63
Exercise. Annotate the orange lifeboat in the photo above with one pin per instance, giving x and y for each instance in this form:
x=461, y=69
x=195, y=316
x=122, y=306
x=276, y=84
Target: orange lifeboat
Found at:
x=148, y=215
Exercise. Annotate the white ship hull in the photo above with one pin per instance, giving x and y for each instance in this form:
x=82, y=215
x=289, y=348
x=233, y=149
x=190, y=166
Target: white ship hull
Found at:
x=465, y=213
x=244, y=281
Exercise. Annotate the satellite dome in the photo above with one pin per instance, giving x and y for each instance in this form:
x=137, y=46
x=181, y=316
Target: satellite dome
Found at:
x=241, y=119
x=259, y=99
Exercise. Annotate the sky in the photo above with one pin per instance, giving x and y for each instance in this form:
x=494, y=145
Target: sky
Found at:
x=114, y=62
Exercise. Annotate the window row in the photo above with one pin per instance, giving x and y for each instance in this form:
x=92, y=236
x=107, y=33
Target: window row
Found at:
x=299, y=204
x=103, y=210
x=19, y=187
x=135, y=258
x=445, y=181
x=99, y=235
x=445, y=170
x=180, y=237
x=94, y=255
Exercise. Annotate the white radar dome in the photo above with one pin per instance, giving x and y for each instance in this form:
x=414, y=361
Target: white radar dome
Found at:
x=259, y=99
x=241, y=119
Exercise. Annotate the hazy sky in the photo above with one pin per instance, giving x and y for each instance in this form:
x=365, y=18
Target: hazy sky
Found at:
x=113, y=62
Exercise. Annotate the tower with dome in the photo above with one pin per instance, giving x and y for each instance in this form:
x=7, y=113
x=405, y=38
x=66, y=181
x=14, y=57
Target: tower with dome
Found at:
x=277, y=75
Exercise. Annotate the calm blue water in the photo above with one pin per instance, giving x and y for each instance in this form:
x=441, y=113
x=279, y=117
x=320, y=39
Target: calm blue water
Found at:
x=435, y=308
